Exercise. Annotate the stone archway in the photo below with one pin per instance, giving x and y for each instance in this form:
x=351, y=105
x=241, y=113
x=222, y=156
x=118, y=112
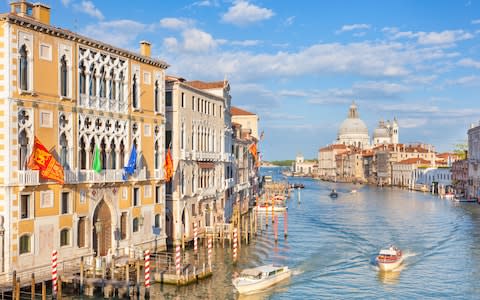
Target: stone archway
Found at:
x=102, y=222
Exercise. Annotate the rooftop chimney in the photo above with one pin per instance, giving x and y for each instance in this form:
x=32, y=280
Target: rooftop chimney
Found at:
x=145, y=48
x=39, y=12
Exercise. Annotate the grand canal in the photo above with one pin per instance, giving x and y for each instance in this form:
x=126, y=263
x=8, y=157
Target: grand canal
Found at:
x=332, y=243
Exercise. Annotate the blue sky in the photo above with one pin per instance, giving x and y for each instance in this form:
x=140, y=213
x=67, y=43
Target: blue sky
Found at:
x=299, y=64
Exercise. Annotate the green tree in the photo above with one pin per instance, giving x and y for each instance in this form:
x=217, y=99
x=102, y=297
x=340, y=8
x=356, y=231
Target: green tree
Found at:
x=461, y=150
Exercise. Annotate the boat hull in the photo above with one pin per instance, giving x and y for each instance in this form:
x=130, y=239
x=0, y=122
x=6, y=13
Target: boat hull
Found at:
x=248, y=287
x=389, y=266
x=275, y=208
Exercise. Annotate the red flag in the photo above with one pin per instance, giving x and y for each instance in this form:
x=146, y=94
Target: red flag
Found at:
x=168, y=166
x=253, y=151
x=42, y=160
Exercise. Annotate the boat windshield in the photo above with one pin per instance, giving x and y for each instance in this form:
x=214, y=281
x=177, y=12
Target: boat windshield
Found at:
x=251, y=274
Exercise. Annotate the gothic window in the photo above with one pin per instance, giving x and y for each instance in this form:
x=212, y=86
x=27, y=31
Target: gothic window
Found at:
x=134, y=91
x=103, y=154
x=113, y=89
x=64, y=151
x=103, y=83
x=157, y=155
x=121, y=158
x=121, y=88
x=23, y=144
x=63, y=77
x=82, y=78
x=92, y=152
x=23, y=74
x=83, y=154
x=157, y=97
x=93, y=82
x=113, y=149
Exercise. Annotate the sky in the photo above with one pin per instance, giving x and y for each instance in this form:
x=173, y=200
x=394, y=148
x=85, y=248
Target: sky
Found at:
x=300, y=64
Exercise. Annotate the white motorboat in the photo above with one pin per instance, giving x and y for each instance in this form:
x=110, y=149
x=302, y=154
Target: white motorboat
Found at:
x=390, y=258
x=259, y=278
x=278, y=206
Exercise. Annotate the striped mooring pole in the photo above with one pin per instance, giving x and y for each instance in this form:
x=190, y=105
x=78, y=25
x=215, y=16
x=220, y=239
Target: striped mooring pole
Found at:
x=235, y=244
x=177, y=259
x=195, y=233
x=147, y=273
x=54, y=271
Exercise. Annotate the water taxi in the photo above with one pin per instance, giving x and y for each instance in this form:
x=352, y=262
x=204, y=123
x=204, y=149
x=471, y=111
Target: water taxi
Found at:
x=389, y=259
x=278, y=206
x=255, y=279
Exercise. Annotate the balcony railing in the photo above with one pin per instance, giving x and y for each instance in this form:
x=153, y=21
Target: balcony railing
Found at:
x=207, y=193
x=158, y=174
x=28, y=177
x=206, y=156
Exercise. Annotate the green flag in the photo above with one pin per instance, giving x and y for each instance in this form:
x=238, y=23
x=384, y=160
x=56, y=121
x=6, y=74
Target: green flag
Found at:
x=97, y=163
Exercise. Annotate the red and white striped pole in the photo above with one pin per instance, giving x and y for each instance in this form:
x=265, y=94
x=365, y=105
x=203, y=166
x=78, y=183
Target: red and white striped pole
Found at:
x=234, y=244
x=195, y=237
x=147, y=274
x=285, y=223
x=54, y=271
x=177, y=260
x=210, y=253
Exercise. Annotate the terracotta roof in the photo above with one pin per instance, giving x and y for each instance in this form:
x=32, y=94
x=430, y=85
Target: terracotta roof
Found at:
x=235, y=111
x=414, y=160
x=206, y=85
x=332, y=147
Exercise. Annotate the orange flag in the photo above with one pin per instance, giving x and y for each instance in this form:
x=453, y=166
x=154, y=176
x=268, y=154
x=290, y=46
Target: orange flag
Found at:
x=42, y=160
x=168, y=166
x=253, y=151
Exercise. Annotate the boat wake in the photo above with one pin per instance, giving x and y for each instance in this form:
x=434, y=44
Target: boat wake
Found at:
x=297, y=272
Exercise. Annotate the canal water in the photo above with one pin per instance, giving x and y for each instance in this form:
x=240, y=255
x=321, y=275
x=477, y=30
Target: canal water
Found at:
x=332, y=243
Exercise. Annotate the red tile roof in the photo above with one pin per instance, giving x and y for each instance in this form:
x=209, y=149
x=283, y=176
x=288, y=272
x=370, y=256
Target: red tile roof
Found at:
x=235, y=111
x=206, y=85
x=414, y=160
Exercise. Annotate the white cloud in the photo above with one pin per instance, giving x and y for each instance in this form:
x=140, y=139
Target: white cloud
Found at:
x=468, y=62
x=477, y=21
x=289, y=21
x=466, y=81
x=292, y=93
x=175, y=23
x=351, y=27
x=121, y=33
x=170, y=43
x=89, y=8
x=380, y=88
x=66, y=2
x=246, y=43
x=195, y=40
x=244, y=13
x=429, y=38
x=205, y=3
x=412, y=122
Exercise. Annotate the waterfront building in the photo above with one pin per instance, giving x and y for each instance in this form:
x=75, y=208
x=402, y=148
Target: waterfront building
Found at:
x=403, y=172
x=327, y=163
x=460, y=176
x=95, y=108
x=302, y=167
x=195, y=135
x=247, y=119
x=436, y=179
x=473, y=189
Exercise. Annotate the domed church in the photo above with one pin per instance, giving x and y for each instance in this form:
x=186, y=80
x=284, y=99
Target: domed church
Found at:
x=353, y=131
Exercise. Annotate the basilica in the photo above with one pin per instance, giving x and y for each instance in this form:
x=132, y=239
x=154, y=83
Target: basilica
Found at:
x=354, y=132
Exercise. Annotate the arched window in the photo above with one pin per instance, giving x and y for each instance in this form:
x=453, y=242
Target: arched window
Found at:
x=83, y=154
x=23, y=144
x=121, y=88
x=82, y=78
x=63, y=77
x=23, y=72
x=135, y=225
x=65, y=237
x=134, y=91
x=157, y=97
x=103, y=154
x=113, y=162
x=93, y=82
x=113, y=88
x=121, y=158
x=25, y=244
x=103, y=83
x=64, y=151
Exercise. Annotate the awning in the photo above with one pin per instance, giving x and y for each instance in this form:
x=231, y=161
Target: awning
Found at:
x=206, y=165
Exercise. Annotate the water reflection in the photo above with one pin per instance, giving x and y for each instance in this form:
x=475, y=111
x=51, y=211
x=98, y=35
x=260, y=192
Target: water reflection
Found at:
x=391, y=277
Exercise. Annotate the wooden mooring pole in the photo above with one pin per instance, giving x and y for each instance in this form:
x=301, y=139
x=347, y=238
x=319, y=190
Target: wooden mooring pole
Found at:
x=32, y=286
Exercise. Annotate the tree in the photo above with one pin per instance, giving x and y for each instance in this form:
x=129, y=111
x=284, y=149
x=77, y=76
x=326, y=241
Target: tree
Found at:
x=461, y=150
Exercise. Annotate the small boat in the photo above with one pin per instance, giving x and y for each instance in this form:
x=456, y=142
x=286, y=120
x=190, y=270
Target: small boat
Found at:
x=389, y=259
x=353, y=191
x=255, y=279
x=333, y=194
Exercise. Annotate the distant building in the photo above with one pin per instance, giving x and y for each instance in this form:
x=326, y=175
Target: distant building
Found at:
x=460, y=176
x=247, y=119
x=302, y=167
x=386, y=133
x=353, y=131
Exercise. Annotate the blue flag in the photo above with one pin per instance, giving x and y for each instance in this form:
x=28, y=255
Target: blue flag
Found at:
x=132, y=163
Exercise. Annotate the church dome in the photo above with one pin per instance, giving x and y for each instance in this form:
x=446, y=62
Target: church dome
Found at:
x=356, y=126
x=380, y=133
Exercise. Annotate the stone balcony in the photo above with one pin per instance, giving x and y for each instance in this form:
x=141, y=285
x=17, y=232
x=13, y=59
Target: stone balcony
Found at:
x=28, y=177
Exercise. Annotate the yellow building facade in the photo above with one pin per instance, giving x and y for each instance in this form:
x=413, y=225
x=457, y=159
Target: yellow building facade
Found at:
x=78, y=96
